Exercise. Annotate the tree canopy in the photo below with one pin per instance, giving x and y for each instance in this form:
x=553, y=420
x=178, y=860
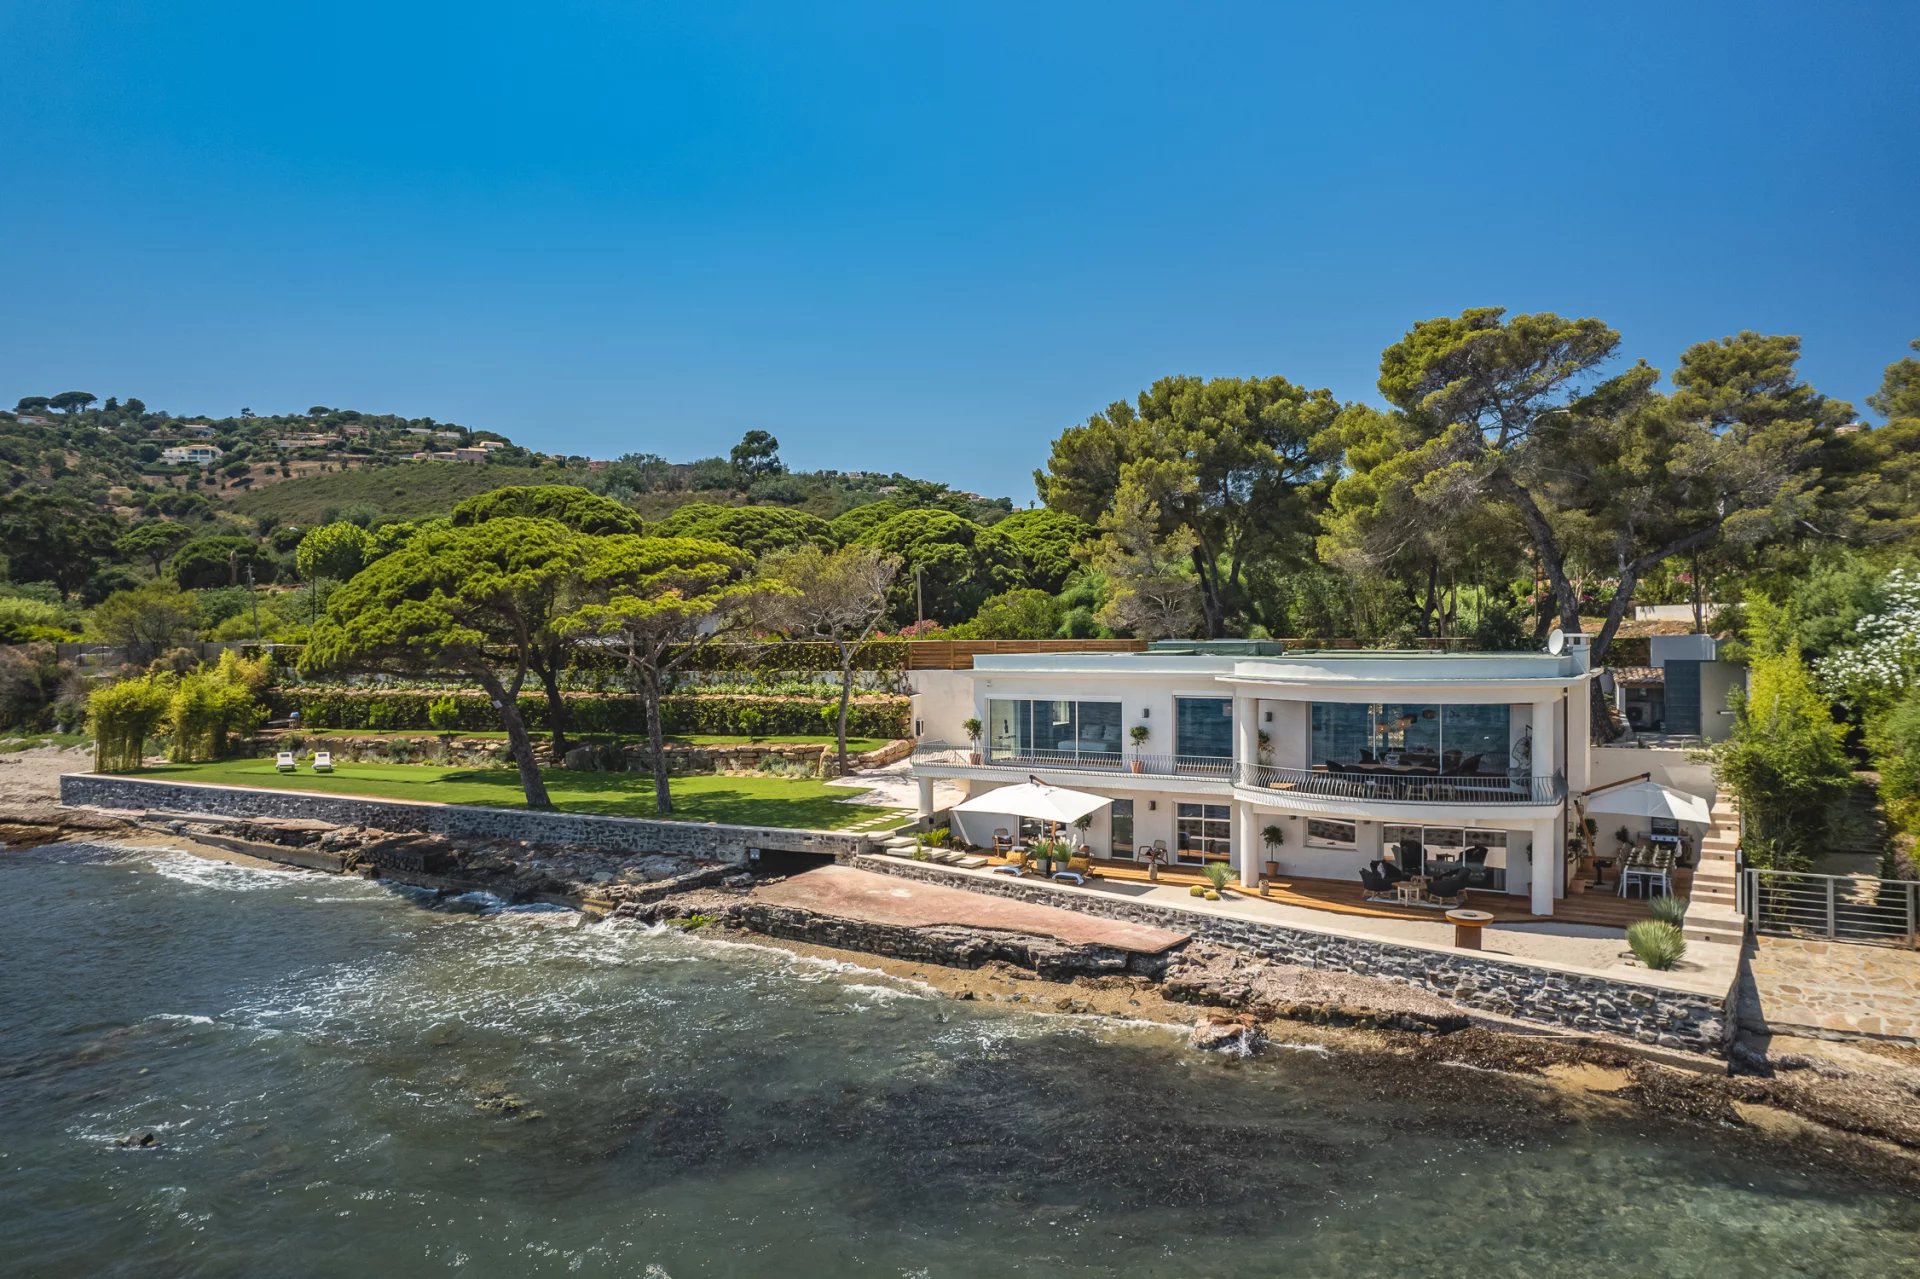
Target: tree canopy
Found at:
x=468, y=601
x=954, y=563
x=579, y=509
x=762, y=530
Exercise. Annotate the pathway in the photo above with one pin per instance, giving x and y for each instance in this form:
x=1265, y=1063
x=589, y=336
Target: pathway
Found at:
x=887, y=899
x=1836, y=988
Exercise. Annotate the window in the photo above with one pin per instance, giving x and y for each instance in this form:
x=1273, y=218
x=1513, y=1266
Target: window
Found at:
x=1121, y=844
x=1203, y=728
x=1053, y=731
x=1326, y=834
x=1400, y=739
x=1449, y=843
x=1202, y=833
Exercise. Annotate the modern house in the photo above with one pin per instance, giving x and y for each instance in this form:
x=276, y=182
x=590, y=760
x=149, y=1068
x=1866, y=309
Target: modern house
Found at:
x=1314, y=762
x=1682, y=692
x=191, y=455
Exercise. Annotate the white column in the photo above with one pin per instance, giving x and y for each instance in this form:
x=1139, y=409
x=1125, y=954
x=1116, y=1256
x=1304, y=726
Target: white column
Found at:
x=1246, y=843
x=1580, y=736
x=1246, y=731
x=1546, y=859
x=1546, y=742
x=926, y=795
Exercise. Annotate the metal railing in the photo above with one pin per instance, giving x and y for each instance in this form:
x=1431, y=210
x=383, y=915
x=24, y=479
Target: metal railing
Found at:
x=1410, y=789
x=1368, y=787
x=1073, y=761
x=1849, y=908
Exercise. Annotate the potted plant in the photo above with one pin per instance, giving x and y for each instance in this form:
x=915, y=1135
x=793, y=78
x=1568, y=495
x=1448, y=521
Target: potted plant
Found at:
x=1081, y=824
x=1273, y=837
x=1266, y=747
x=972, y=729
x=1153, y=856
x=1139, y=734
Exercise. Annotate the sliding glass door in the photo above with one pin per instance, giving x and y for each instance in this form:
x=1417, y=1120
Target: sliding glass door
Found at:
x=1054, y=731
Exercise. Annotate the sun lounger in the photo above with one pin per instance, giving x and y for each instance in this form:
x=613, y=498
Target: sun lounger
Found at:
x=283, y=762
x=323, y=761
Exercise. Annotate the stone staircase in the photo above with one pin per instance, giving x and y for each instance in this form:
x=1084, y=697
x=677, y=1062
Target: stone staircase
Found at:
x=1713, y=913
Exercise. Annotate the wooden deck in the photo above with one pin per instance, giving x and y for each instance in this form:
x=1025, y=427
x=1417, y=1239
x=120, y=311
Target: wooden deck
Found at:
x=1600, y=908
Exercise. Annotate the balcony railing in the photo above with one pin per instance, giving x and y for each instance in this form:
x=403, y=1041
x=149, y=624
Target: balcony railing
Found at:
x=1409, y=789
x=1071, y=761
x=1371, y=788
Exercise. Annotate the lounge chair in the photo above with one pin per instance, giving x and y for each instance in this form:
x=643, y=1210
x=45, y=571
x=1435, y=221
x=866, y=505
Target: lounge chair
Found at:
x=1374, y=885
x=1476, y=859
x=1002, y=841
x=323, y=761
x=1014, y=863
x=283, y=762
x=1389, y=872
x=1077, y=869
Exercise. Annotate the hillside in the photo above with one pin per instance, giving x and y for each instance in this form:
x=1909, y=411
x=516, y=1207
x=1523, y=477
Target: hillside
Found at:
x=402, y=491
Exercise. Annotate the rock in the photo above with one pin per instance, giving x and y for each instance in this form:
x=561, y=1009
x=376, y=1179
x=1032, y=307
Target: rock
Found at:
x=582, y=759
x=1241, y=1038
x=138, y=1141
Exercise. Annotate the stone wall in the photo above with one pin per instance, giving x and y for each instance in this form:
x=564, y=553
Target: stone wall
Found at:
x=613, y=834
x=1577, y=1001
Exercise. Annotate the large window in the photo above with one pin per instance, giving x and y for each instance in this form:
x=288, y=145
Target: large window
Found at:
x=1203, y=728
x=1054, y=731
x=1428, y=849
x=1411, y=739
x=1203, y=833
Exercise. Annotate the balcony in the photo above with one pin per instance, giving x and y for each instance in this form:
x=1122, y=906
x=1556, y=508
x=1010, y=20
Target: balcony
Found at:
x=1409, y=788
x=1412, y=788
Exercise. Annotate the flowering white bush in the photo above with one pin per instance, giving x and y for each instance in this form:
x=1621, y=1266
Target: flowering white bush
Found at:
x=1885, y=660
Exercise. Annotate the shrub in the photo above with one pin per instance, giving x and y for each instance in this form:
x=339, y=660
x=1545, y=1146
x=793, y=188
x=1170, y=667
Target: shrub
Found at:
x=443, y=713
x=1670, y=910
x=1219, y=874
x=1655, y=943
x=1211, y=894
x=883, y=717
x=1197, y=890
x=123, y=716
x=207, y=706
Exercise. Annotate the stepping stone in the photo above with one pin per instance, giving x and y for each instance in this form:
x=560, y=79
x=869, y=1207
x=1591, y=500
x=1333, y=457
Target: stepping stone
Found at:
x=971, y=862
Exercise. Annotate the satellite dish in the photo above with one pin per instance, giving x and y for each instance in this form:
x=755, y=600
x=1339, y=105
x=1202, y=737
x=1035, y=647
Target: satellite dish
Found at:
x=1556, y=641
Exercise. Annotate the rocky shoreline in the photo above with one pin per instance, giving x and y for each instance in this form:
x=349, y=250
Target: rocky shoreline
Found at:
x=1857, y=1102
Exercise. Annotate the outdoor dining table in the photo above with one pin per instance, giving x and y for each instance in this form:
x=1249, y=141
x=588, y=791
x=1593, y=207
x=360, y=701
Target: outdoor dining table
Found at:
x=1649, y=863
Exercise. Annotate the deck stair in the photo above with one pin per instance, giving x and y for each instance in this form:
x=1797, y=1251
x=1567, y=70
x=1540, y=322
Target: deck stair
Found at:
x=1713, y=909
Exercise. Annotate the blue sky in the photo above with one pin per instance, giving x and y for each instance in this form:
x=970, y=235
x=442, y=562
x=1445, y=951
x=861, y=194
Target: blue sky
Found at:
x=919, y=237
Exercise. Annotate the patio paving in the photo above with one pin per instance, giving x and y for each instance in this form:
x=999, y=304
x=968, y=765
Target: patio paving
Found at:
x=886, y=899
x=1837, y=988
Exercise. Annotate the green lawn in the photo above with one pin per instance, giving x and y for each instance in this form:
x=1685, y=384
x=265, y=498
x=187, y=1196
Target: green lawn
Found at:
x=855, y=745
x=742, y=801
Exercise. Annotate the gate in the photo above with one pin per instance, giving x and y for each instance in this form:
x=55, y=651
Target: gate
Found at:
x=1848, y=908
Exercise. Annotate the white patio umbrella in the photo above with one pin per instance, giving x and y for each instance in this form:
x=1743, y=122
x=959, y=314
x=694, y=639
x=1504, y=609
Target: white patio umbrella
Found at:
x=1038, y=800
x=1649, y=799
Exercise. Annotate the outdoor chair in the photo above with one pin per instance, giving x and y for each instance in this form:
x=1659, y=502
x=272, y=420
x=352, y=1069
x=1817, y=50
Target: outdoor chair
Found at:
x=1450, y=888
x=1373, y=884
x=1389, y=872
x=1002, y=841
x=1077, y=870
x=283, y=762
x=323, y=761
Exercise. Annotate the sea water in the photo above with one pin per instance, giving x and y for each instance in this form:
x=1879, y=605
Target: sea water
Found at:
x=345, y=1079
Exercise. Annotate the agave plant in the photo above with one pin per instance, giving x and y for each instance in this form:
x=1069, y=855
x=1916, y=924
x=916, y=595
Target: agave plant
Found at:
x=1656, y=944
x=1670, y=910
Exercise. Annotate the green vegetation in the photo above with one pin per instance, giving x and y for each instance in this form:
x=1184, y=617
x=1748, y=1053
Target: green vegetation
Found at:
x=1655, y=943
x=855, y=745
x=1670, y=910
x=745, y=801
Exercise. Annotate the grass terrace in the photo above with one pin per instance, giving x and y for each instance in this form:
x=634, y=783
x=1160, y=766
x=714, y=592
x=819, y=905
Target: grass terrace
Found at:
x=741, y=801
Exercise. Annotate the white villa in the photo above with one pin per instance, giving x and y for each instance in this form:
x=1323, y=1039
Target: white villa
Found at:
x=1308, y=764
x=191, y=455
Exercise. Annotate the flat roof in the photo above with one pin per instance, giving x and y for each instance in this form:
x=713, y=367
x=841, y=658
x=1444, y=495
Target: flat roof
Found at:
x=1336, y=666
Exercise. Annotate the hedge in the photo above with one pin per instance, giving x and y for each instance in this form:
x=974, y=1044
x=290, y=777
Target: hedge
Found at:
x=883, y=717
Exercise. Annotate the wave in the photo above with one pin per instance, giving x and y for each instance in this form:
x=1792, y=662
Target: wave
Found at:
x=201, y=872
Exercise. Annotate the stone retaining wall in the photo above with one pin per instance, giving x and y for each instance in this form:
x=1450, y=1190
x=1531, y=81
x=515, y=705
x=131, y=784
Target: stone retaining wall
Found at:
x=1577, y=1001
x=949, y=945
x=613, y=834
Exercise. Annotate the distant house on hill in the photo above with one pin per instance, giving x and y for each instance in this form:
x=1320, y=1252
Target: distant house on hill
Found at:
x=191, y=455
x=197, y=431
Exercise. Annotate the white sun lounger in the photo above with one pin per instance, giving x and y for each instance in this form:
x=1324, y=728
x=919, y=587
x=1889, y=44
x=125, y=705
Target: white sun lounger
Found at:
x=323, y=761
x=283, y=762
